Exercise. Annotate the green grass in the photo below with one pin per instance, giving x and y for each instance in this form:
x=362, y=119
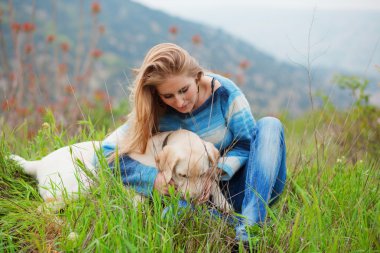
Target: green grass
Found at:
x=328, y=206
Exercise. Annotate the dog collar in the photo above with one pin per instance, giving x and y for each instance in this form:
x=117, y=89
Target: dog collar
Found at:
x=165, y=142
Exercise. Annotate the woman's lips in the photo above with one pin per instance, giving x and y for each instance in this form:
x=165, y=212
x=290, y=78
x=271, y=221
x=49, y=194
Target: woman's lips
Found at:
x=183, y=108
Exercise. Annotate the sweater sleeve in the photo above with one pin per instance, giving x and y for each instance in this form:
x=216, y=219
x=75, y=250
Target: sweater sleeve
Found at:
x=241, y=124
x=137, y=175
x=133, y=173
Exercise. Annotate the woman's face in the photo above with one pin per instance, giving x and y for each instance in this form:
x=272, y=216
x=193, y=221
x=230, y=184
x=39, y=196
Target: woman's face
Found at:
x=179, y=92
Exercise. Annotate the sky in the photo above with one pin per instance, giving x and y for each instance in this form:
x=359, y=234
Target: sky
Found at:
x=343, y=35
x=181, y=6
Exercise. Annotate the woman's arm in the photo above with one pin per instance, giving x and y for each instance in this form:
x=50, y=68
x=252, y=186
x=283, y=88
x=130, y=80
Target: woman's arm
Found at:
x=134, y=174
x=241, y=124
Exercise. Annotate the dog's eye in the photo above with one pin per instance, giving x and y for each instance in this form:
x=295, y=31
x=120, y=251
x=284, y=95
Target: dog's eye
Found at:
x=181, y=175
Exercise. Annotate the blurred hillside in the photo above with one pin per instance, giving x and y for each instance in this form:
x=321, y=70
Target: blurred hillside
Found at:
x=130, y=29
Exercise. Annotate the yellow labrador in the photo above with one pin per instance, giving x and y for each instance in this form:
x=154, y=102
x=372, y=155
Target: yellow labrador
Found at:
x=181, y=155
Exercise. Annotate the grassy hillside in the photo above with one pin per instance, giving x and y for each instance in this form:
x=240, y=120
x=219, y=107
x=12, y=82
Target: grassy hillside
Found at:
x=330, y=204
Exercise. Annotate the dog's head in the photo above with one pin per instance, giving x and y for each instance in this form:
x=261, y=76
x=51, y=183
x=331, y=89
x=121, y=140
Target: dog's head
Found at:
x=190, y=162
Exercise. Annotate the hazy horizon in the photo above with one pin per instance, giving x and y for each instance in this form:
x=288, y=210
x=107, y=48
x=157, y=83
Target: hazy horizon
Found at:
x=182, y=6
x=340, y=36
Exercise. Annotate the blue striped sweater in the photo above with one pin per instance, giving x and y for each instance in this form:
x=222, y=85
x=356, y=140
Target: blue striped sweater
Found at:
x=224, y=119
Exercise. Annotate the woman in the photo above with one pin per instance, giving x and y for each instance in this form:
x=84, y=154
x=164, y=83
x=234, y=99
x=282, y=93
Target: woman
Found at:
x=172, y=91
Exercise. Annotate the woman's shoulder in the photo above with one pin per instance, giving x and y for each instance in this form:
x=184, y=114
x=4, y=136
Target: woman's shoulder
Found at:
x=230, y=94
x=225, y=83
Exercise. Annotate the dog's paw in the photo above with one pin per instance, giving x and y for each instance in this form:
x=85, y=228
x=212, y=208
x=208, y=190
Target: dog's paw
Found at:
x=17, y=159
x=137, y=200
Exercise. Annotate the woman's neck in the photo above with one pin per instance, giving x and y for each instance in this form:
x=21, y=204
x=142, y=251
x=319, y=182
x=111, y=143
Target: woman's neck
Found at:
x=204, y=91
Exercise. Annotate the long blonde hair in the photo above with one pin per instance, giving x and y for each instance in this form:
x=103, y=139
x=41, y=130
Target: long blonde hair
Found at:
x=161, y=62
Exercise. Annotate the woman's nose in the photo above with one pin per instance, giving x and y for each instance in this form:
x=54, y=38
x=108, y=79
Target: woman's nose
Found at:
x=180, y=101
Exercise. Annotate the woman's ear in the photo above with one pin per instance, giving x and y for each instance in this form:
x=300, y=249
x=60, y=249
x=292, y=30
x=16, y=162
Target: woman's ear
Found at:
x=199, y=76
x=166, y=161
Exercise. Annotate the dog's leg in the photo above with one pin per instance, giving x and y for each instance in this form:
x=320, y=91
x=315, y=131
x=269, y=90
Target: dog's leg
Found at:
x=30, y=167
x=52, y=204
x=137, y=200
x=219, y=200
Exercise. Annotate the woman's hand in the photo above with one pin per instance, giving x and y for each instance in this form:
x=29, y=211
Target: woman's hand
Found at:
x=160, y=184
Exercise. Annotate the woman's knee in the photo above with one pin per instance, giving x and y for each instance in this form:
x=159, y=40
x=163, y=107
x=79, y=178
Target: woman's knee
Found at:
x=271, y=122
x=269, y=126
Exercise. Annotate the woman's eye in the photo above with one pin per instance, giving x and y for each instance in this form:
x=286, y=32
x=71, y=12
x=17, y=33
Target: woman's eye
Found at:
x=184, y=90
x=167, y=96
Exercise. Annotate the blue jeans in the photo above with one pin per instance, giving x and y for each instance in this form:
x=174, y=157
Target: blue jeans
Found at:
x=260, y=182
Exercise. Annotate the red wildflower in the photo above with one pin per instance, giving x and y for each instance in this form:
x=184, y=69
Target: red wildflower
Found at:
x=79, y=78
x=244, y=64
x=22, y=111
x=4, y=105
x=100, y=95
x=102, y=29
x=31, y=134
x=196, y=39
x=96, y=53
x=32, y=81
x=8, y=104
x=108, y=107
x=50, y=38
x=31, y=85
x=16, y=27
x=62, y=68
x=28, y=27
x=69, y=89
x=227, y=74
x=12, y=76
x=95, y=7
x=87, y=103
x=240, y=79
x=43, y=78
x=173, y=30
x=28, y=48
x=64, y=101
x=65, y=46
x=41, y=110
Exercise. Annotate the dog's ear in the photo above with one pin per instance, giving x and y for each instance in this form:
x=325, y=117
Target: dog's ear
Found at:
x=166, y=161
x=213, y=152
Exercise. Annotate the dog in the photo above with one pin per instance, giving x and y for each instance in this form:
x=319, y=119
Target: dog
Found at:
x=182, y=156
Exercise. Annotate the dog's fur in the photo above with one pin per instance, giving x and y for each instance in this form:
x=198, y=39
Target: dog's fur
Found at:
x=180, y=155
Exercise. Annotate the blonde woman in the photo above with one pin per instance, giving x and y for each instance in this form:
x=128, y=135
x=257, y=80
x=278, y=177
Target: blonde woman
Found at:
x=172, y=91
